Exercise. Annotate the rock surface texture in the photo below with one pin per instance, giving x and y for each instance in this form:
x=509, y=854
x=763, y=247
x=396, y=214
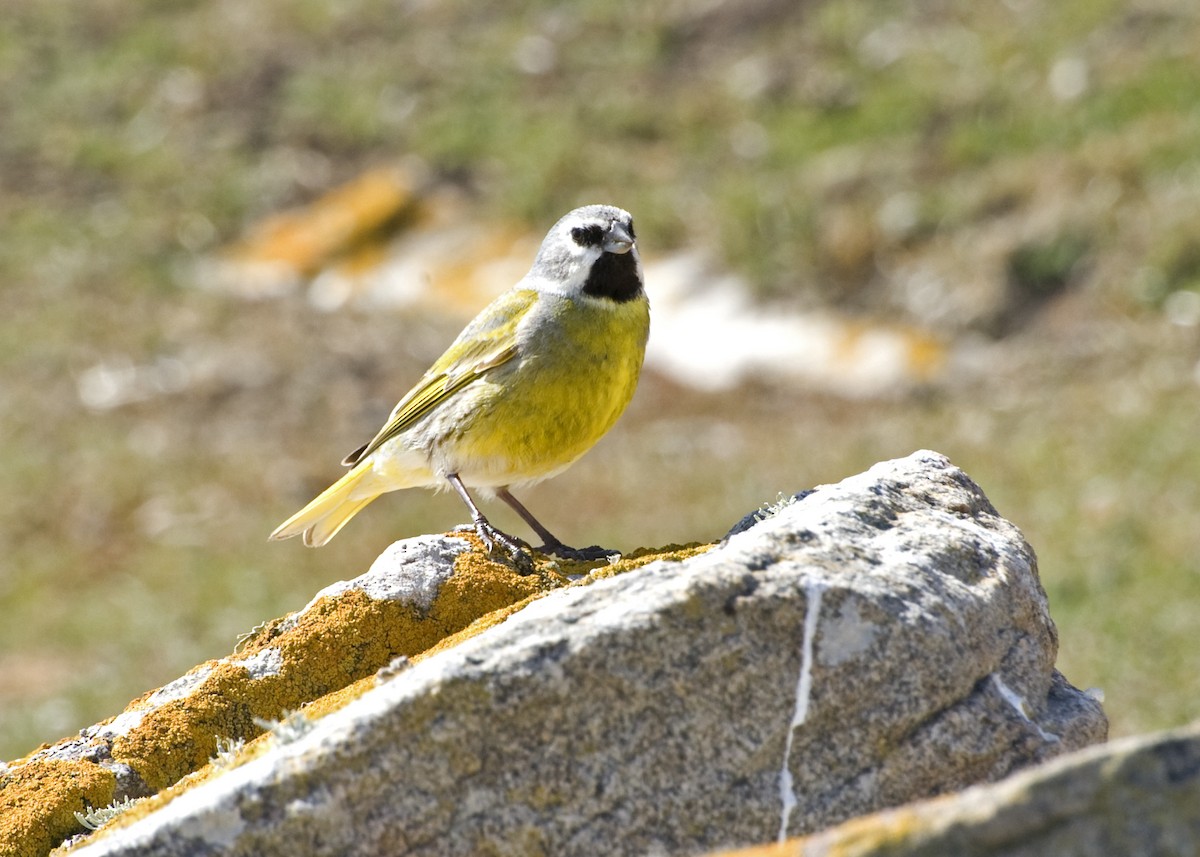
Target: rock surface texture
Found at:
x=1139, y=797
x=877, y=641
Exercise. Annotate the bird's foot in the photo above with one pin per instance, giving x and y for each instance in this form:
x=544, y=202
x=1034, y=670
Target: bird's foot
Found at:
x=518, y=551
x=583, y=554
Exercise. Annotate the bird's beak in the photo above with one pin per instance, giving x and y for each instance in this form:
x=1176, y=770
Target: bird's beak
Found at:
x=617, y=239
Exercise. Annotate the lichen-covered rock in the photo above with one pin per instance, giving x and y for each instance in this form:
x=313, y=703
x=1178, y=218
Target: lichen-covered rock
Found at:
x=416, y=594
x=40, y=800
x=877, y=641
x=407, y=602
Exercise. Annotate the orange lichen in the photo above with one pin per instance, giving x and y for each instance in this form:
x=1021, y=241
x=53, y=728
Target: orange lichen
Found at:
x=339, y=640
x=645, y=556
x=923, y=355
x=594, y=570
x=38, y=802
x=305, y=239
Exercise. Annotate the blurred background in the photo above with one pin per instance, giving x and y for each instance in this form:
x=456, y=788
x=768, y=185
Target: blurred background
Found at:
x=232, y=234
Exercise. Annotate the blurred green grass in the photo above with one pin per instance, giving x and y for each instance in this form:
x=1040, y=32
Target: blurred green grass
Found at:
x=140, y=136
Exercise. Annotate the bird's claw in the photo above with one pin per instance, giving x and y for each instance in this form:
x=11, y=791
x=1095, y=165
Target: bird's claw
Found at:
x=517, y=550
x=521, y=553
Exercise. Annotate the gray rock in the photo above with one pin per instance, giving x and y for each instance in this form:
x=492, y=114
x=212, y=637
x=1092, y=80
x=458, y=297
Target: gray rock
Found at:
x=874, y=642
x=1139, y=797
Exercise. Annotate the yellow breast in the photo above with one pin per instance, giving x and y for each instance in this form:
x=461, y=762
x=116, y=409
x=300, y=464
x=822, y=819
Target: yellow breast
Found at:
x=576, y=371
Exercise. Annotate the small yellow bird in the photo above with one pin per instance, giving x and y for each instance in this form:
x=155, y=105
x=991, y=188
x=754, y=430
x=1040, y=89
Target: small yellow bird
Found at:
x=526, y=389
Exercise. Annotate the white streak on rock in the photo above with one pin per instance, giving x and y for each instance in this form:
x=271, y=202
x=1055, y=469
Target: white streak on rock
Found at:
x=1019, y=705
x=787, y=792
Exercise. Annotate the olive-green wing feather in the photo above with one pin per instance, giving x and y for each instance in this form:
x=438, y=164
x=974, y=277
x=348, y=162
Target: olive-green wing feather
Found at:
x=487, y=342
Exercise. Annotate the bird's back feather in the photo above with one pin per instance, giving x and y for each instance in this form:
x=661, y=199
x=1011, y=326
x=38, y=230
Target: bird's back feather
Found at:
x=489, y=341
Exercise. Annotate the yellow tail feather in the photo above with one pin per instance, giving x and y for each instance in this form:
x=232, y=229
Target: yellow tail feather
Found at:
x=329, y=511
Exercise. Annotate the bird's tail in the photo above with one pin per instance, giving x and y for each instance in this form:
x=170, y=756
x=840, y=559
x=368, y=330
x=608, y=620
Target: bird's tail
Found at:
x=330, y=510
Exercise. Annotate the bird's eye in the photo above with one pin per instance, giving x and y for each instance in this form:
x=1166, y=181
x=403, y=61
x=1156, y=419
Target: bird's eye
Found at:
x=588, y=236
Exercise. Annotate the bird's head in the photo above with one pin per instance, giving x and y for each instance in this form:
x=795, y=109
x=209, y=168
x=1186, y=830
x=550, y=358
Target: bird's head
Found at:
x=591, y=251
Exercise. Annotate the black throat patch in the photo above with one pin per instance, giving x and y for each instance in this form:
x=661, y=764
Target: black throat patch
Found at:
x=614, y=276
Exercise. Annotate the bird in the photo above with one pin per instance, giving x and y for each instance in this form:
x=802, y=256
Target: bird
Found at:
x=528, y=386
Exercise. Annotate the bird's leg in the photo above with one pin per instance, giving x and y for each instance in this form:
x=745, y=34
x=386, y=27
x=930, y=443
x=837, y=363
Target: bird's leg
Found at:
x=488, y=534
x=551, y=541
x=552, y=544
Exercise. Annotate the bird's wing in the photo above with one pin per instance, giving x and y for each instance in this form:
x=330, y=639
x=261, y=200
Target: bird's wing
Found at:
x=487, y=342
